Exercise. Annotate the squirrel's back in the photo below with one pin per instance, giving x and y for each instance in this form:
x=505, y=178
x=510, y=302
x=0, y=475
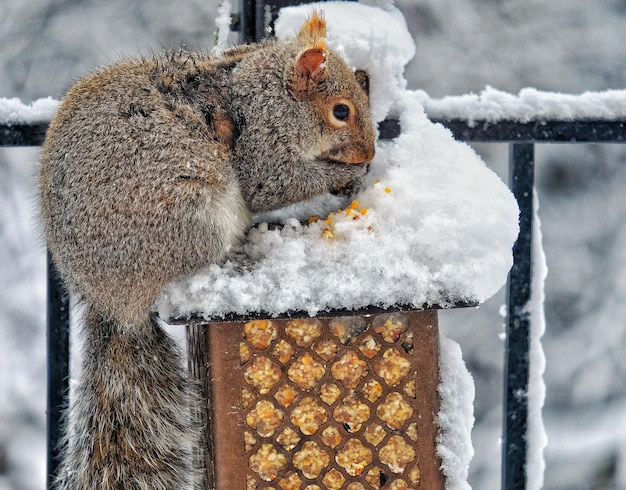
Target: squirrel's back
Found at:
x=150, y=170
x=136, y=188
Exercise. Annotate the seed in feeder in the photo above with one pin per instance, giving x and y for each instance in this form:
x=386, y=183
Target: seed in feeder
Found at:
x=288, y=439
x=285, y=395
x=263, y=374
x=395, y=411
x=304, y=331
x=247, y=397
x=396, y=454
x=350, y=370
x=415, y=476
x=391, y=326
x=251, y=483
x=265, y=418
x=331, y=437
x=283, y=351
x=306, y=372
x=372, y=390
x=308, y=415
x=291, y=481
x=374, y=434
x=410, y=389
x=351, y=413
x=329, y=393
x=399, y=485
x=326, y=349
x=245, y=353
x=411, y=432
x=354, y=457
x=355, y=486
x=311, y=459
x=260, y=333
x=249, y=440
x=334, y=480
x=407, y=343
x=267, y=462
x=392, y=367
x=376, y=477
x=369, y=347
x=347, y=328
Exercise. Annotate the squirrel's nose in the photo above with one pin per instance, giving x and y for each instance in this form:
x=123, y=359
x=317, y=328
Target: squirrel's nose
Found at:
x=361, y=155
x=369, y=155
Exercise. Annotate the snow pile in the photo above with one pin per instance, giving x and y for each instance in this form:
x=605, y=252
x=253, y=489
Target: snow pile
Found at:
x=456, y=416
x=537, y=439
x=434, y=225
x=493, y=105
x=14, y=111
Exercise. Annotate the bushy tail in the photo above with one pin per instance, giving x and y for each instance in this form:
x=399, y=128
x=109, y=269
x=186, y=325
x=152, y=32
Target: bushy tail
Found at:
x=129, y=425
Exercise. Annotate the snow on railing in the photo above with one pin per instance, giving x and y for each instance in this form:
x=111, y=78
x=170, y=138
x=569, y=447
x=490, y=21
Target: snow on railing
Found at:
x=491, y=106
x=25, y=124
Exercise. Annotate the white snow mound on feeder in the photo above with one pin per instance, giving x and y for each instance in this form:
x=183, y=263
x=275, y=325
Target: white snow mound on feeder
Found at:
x=433, y=225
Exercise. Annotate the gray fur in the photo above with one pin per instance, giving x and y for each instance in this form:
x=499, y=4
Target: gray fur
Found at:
x=150, y=170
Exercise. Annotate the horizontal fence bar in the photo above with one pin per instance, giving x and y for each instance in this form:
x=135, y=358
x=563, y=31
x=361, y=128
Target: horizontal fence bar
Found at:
x=23, y=134
x=505, y=131
x=548, y=131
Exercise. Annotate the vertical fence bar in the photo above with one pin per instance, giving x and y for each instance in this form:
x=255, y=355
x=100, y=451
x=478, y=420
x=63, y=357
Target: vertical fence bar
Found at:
x=58, y=320
x=517, y=358
x=258, y=17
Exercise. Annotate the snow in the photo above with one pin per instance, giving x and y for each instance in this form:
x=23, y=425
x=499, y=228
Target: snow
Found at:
x=14, y=111
x=456, y=415
x=22, y=316
x=222, y=27
x=434, y=225
x=562, y=46
x=438, y=229
x=537, y=438
x=493, y=105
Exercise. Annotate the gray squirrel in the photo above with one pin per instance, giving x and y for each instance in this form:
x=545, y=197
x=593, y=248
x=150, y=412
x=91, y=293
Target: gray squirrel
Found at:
x=151, y=169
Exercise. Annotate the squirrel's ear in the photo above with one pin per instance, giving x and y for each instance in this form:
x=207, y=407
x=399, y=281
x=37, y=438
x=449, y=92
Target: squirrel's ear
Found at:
x=310, y=66
x=313, y=30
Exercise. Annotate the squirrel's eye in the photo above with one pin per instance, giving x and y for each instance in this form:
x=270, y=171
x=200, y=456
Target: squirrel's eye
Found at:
x=341, y=112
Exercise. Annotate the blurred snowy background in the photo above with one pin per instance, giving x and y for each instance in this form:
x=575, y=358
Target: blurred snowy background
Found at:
x=462, y=46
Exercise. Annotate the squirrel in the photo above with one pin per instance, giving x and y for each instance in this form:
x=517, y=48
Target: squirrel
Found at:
x=151, y=169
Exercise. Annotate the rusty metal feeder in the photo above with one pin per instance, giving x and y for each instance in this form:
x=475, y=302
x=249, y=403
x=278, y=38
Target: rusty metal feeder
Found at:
x=334, y=402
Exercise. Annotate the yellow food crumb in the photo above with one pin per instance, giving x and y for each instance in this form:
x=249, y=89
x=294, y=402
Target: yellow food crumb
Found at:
x=353, y=211
x=387, y=190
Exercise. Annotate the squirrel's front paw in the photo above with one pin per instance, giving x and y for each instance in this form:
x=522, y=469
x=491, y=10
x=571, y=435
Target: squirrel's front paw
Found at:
x=350, y=189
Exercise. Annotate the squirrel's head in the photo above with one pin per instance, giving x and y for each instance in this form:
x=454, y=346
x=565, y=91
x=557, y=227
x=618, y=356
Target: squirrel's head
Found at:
x=323, y=81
